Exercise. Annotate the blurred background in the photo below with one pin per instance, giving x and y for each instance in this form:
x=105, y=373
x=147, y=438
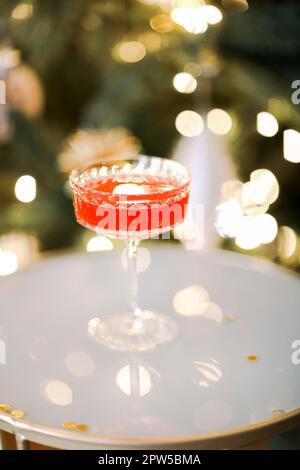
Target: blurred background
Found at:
x=207, y=83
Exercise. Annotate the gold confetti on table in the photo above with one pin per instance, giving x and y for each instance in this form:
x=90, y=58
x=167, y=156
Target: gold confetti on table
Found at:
x=17, y=414
x=4, y=407
x=74, y=426
x=252, y=358
x=81, y=427
x=69, y=425
x=229, y=317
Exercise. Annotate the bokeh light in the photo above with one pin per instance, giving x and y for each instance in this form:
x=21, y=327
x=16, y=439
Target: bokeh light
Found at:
x=264, y=186
x=99, y=243
x=229, y=217
x=161, y=23
x=246, y=198
x=184, y=82
x=267, y=228
x=134, y=380
x=229, y=189
x=189, y=123
x=143, y=259
x=287, y=243
x=291, y=145
x=8, y=262
x=191, y=301
x=25, y=188
x=266, y=124
x=131, y=51
x=59, y=393
x=212, y=14
x=190, y=18
x=23, y=11
x=219, y=121
x=248, y=236
x=193, y=68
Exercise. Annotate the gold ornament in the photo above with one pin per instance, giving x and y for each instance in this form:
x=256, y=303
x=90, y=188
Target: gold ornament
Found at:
x=236, y=5
x=24, y=91
x=87, y=146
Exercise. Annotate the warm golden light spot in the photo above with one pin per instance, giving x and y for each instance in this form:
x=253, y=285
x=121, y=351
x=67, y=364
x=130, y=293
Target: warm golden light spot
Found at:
x=211, y=14
x=287, y=243
x=90, y=22
x=189, y=123
x=184, y=82
x=131, y=51
x=266, y=124
x=162, y=23
x=219, y=121
x=23, y=11
x=190, y=18
x=193, y=68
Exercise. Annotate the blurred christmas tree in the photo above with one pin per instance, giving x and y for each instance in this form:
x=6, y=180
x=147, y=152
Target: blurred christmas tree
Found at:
x=109, y=64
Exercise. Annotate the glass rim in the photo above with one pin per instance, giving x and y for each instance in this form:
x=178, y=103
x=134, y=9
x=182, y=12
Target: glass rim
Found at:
x=75, y=174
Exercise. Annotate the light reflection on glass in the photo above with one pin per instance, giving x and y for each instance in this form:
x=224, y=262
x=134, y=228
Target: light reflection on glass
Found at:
x=194, y=301
x=135, y=380
x=59, y=393
x=213, y=312
x=191, y=302
x=209, y=372
x=143, y=259
x=287, y=243
x=80, y=364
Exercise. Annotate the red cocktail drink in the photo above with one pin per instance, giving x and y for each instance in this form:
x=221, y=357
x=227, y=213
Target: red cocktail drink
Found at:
x=137, y=198
x=138, y=206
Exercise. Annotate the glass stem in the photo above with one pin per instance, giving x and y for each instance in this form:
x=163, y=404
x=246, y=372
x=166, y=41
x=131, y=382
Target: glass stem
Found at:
x=131, y=247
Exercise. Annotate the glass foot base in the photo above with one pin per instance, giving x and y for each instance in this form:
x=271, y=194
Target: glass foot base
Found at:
x=124, y=332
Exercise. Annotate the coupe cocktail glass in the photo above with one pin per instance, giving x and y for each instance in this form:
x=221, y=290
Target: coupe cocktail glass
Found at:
x=132, y=199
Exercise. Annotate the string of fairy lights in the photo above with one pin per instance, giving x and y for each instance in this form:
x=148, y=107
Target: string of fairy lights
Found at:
x=243, y=210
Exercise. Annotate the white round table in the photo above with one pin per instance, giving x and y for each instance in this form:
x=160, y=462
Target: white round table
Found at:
x=226, y=381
